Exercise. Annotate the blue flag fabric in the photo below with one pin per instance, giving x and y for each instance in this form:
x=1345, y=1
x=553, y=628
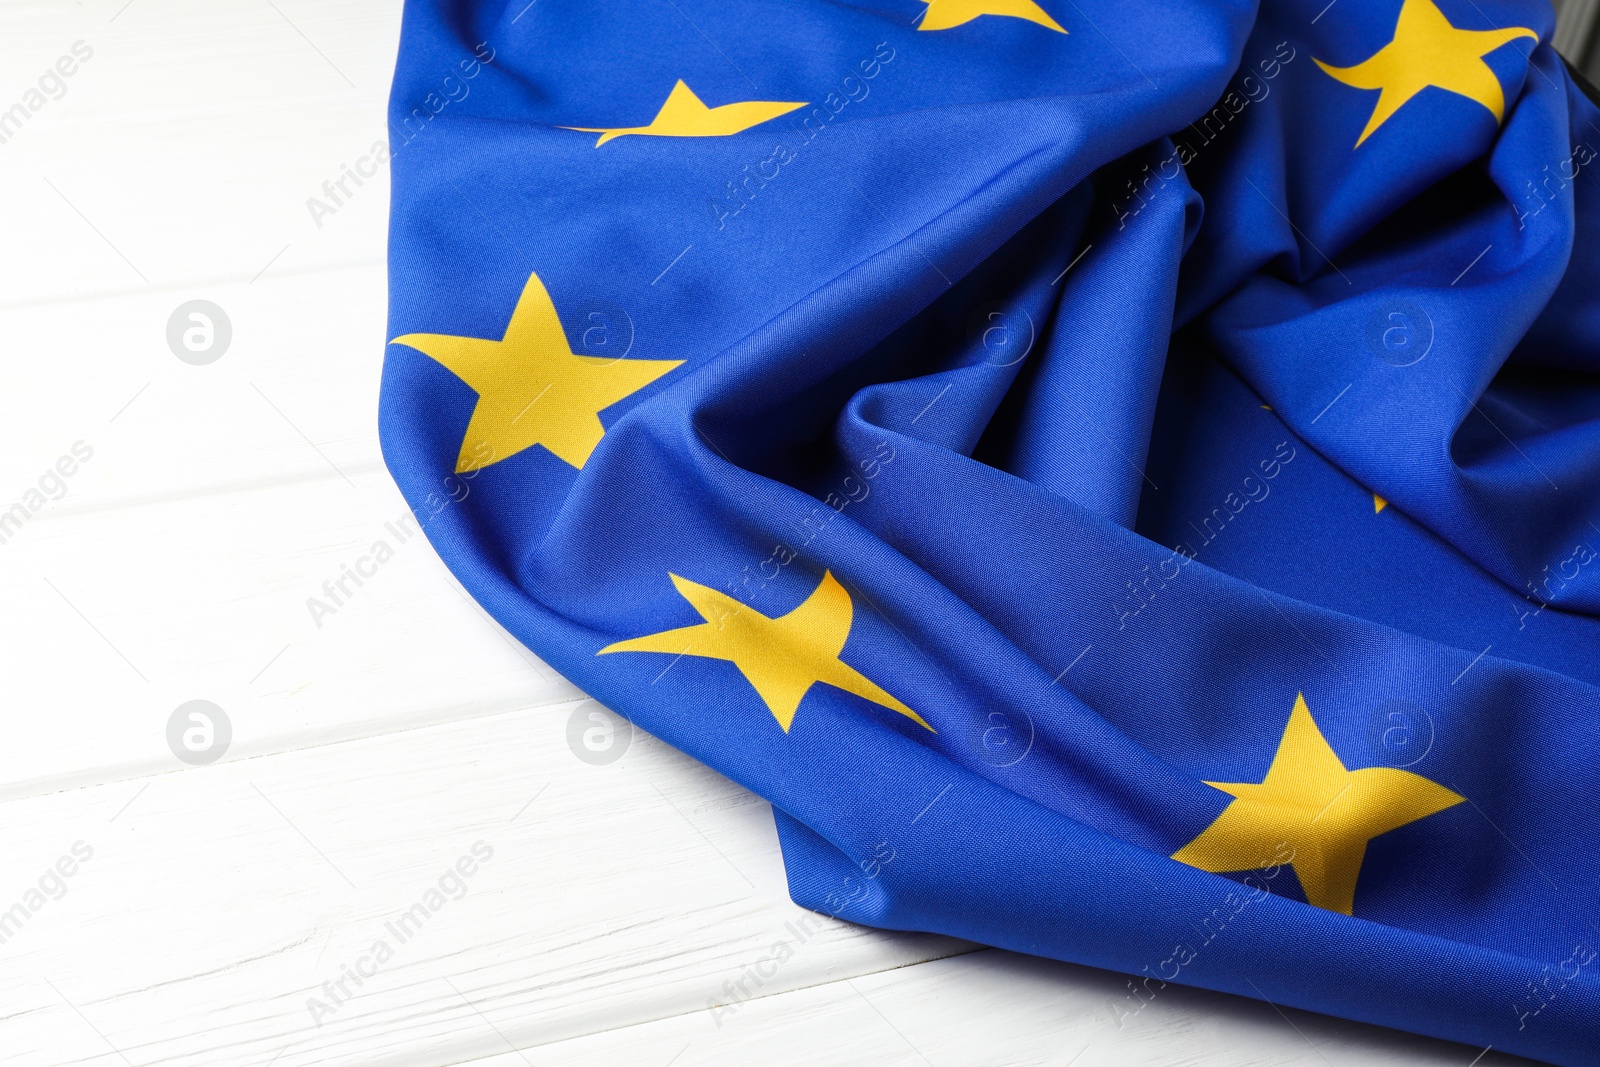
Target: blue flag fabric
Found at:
x=1122, y=479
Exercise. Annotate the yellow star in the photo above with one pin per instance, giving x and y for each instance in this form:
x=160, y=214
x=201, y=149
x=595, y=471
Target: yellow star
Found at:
x=783, y=657
x=1427, y=50
x=1321, y=811
x=684, y=115
x=943, y=14
x=532, y=389
x=1378, y=503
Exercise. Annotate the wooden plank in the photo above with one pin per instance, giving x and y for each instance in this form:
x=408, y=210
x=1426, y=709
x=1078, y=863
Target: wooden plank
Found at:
x=116, y=617
x=184, y=148
x=993, y=1008
x=215, y=902
x=293, y=397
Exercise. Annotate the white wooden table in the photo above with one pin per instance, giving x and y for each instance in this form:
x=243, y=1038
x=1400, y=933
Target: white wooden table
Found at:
x=157, y=912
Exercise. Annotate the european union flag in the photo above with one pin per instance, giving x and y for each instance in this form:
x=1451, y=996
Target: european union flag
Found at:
x=1123, y=479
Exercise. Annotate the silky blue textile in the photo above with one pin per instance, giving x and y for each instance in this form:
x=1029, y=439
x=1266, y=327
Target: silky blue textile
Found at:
x=1122, y=479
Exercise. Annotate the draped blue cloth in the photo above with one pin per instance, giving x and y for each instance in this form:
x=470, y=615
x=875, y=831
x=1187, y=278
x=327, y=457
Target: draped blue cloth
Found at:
x=1063, y=412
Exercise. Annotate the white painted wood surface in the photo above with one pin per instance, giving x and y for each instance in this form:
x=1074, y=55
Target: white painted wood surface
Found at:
x=625, y=913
